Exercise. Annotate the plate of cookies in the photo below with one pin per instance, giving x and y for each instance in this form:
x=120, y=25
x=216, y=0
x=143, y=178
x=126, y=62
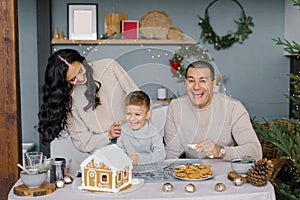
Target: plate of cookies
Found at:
x=193, y=172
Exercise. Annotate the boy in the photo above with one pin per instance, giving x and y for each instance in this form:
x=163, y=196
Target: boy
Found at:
x=140, y=139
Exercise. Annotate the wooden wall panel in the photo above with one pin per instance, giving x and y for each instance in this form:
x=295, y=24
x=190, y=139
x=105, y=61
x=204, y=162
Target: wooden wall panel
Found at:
x=10, y=127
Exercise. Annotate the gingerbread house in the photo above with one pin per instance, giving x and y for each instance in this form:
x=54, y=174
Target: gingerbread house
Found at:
x=109, y=169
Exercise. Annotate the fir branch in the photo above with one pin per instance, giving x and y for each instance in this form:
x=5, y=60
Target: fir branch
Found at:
x=286, y=193
x=292, y=48
x=296, y=2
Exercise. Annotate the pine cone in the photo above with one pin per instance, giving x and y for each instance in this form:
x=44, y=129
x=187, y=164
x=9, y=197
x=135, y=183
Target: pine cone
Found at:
x=261, y=172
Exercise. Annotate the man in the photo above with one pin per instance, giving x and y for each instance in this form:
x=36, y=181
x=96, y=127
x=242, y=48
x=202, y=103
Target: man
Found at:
x=203, y=123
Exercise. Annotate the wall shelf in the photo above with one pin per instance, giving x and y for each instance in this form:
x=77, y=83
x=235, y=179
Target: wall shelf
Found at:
x=123, y=41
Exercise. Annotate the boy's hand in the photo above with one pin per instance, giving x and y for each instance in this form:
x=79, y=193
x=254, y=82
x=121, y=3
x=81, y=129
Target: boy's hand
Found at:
x=134, y=157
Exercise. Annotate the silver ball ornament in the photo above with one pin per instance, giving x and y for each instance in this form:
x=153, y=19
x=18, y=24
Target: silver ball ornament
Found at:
x=167, y=187
x=68, y=179
x=190, y=188
x=60, y=184
x=238, y=181
x=220, y=187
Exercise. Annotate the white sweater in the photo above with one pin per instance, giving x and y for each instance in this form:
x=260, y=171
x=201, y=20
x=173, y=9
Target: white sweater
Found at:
x=89, y=130
x=225, y=121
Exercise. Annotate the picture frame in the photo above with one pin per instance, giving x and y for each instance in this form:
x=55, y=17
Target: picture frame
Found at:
x=82, y=21
x=130, y=29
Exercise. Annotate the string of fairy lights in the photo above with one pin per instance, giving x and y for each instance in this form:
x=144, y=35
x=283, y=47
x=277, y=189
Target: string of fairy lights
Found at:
x=181, y=55
x=294, y=92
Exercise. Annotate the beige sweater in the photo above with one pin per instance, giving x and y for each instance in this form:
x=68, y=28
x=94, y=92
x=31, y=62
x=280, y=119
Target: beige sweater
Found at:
x=225, y=121
x=89, y=130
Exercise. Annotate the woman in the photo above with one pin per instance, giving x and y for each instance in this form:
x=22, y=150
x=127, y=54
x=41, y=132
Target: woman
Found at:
x=84, y=99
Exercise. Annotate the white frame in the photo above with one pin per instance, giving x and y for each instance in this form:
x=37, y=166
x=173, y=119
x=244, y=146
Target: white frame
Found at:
x=82, y=21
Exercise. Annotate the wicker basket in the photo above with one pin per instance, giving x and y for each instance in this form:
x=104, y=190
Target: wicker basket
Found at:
x=270, y=151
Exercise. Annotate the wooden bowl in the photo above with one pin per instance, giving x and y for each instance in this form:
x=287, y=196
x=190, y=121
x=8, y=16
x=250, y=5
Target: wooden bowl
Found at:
x=155, y=24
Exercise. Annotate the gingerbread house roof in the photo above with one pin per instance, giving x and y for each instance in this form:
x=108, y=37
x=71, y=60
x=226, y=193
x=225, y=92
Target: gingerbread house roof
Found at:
x=111, y=155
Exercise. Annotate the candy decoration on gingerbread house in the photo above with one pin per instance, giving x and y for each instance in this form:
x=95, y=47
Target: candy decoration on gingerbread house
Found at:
x=109, y=169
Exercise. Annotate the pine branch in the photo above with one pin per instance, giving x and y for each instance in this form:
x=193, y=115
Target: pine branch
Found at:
x=292, y=48
x=287, y=138
x=296, y=2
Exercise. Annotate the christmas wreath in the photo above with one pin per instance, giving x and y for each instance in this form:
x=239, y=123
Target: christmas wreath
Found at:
x=222, y=42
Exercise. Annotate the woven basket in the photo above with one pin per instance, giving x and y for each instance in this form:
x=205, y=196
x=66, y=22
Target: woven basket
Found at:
x=278, y=164
x=270, y=151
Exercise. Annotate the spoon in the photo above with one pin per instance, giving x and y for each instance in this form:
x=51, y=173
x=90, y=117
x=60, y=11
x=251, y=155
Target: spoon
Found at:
x=23, y=168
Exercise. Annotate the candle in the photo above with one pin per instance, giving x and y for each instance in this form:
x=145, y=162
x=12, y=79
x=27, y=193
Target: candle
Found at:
x=161, y=93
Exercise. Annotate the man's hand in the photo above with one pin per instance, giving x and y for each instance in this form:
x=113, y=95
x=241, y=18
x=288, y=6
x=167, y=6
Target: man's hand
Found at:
x=208, y=147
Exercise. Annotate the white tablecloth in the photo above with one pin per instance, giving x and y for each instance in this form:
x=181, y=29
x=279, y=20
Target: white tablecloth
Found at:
x=153, y=190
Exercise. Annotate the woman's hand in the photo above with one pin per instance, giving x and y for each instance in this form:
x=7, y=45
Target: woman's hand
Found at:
x=208, y=147
x=114, y=131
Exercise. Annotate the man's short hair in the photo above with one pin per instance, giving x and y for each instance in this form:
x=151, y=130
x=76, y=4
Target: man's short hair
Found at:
x=200, y=64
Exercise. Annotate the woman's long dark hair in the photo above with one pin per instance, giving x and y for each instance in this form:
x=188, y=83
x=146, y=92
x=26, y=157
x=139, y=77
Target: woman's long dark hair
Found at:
x=57, y=101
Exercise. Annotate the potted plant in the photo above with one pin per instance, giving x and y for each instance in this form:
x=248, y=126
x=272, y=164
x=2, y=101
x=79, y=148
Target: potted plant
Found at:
x=242, y=165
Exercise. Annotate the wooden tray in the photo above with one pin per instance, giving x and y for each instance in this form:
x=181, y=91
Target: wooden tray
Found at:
x=112, y=22
x=175, y=33
x=23, y=190
x=155, y=24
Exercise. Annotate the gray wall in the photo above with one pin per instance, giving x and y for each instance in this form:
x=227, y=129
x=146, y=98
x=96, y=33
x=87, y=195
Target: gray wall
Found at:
x=291, y=28
x=256, y=69
x=28, y=69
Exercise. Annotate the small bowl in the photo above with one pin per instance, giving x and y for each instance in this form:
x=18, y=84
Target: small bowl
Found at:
x=239, y=167
x=33, y=180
